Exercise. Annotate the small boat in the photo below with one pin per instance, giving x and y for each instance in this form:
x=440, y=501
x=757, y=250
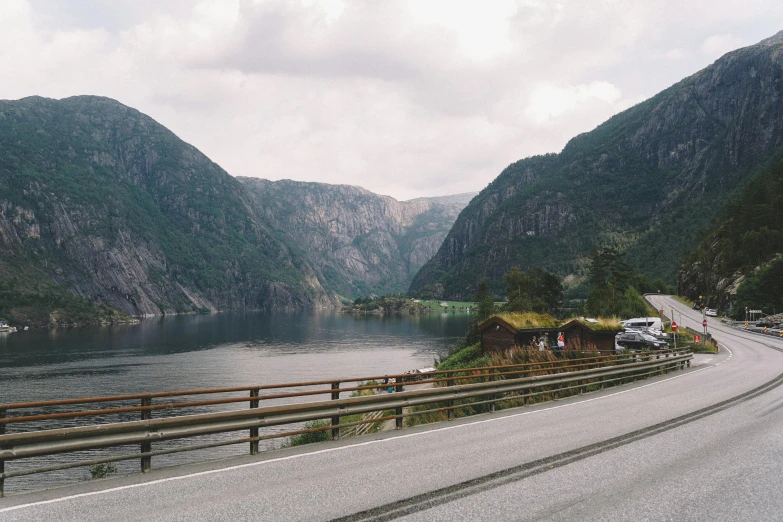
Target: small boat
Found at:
x=4, y=328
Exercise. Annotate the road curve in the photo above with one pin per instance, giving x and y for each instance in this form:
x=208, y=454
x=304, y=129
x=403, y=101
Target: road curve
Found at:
x=700, y=444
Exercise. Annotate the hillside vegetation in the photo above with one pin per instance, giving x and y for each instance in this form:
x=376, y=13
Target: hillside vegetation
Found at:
x=738, y=261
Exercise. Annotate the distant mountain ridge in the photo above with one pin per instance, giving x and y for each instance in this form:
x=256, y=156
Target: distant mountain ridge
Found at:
x=646, y=181
x=358, y=242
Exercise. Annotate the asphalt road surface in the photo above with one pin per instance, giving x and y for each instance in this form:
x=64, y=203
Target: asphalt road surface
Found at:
x=702, y=444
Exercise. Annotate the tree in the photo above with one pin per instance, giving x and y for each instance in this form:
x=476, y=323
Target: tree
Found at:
x=484, y=303
x=533, y=291
x=610, y=280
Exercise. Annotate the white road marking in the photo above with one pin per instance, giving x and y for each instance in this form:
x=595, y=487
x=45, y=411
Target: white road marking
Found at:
x=342, y=448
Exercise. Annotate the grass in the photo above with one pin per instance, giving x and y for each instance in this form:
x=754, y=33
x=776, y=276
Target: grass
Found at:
x=467, y=357
x=683, y=300
x=435, y=304
x=529, y=320
x=604, y=324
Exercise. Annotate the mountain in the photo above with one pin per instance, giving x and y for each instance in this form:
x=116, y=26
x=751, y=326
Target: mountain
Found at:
x=102, y=204
x=359, y=243
x=739, y=261
x=647, y=182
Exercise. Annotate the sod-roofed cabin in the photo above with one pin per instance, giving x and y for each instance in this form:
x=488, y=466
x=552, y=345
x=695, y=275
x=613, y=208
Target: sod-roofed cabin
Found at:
x=503, y=331
x=584, y=334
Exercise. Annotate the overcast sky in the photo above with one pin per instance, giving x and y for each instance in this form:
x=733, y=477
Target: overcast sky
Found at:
x=405, y=98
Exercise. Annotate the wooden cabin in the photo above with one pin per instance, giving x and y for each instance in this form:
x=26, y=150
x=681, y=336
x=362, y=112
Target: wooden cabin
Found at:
x=581, y=334
x=499, y=333
x=496, y=335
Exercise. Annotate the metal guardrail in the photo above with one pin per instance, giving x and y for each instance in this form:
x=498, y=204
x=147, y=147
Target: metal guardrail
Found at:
x=492, y=384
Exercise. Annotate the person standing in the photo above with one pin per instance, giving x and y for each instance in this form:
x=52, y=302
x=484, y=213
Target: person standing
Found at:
x=541, y=344
x=560, y=341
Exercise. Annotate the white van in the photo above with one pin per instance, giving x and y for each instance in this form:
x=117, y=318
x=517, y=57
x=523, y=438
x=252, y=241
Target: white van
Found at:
x=637, y=323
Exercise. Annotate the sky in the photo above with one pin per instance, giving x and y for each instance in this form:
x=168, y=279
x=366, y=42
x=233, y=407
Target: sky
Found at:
x=405, y=98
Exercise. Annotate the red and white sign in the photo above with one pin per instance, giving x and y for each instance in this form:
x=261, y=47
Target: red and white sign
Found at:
x=697, y=338
x=704, y=323
x=660, y=312
x=674, y=326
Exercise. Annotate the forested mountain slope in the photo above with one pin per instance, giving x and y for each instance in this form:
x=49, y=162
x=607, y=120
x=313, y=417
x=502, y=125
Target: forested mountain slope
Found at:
x=358, y=242
x=101, y=201
x=739, y=261
x=647, y=181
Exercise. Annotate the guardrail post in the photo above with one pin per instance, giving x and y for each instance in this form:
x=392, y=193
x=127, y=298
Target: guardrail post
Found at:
x=254, y=431
x=450, y=403
x=494, y=396
x=2, y=462
x=336, y=418
x=146, y=447
x=398, y=411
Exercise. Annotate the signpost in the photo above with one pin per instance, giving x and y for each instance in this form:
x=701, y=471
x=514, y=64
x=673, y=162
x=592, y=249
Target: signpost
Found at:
x=704, y=324
x=674, y=331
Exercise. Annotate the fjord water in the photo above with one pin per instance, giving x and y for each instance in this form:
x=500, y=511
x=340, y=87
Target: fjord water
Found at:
x=208, y=351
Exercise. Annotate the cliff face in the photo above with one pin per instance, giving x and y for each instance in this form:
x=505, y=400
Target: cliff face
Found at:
x=102, y=200
x=358, y=242
x=647, y=181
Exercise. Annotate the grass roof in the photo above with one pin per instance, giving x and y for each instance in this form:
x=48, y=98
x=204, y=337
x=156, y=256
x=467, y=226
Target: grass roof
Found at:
x=529, y=320
x=601, y=324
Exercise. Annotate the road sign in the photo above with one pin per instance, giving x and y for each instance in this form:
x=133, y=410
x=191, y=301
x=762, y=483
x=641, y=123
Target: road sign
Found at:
x=697, y=339
x=674, y=326
x=746, y=308
x=755, y=311
x=660, y=312
x=704, y=323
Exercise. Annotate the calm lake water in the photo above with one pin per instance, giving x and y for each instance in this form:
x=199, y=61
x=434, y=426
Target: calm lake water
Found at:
x=207, y=351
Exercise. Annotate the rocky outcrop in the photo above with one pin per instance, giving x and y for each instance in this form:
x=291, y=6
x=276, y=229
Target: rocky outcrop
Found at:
x=358, y=242
x=647, y=181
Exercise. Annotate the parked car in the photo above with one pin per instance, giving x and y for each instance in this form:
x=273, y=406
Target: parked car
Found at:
x=765, y=322
x=696, y=306
x=711, y=312
x=639, y=341
x=643, y=322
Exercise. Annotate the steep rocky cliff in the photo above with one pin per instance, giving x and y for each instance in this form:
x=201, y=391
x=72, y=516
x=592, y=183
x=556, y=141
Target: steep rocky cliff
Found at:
x=359, y=243
x=647, y=181
x=101, y=200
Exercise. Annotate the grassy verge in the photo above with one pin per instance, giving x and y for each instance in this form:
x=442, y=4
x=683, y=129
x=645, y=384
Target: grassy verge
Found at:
x=683, y=300
x=451, y=305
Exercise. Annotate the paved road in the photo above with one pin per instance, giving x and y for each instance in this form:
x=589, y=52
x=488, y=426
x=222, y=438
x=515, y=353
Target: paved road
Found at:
x=703, y=444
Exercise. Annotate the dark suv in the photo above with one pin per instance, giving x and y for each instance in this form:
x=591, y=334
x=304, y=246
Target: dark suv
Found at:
x=639, y=341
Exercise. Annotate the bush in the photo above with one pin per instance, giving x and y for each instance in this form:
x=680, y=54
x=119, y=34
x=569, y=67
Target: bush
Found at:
x=467, y=357
x=99, y=471
x=313, y=436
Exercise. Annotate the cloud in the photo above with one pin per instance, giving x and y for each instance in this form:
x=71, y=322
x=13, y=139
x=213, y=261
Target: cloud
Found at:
x=717, y=45
x=408, y=98
x=548, y=101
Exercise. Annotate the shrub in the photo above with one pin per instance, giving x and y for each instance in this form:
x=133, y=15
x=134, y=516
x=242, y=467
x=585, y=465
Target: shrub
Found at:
x=99, y=471
x=313, y=436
